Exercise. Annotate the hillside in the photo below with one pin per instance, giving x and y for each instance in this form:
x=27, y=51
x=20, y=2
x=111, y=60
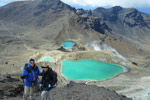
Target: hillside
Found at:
x=71, y=91
x=35, y=29
x=128, y=23
x=53, y=21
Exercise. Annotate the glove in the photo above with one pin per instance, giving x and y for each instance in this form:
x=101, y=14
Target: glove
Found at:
x=22, y=77
x=49, y=85
x=40, y=85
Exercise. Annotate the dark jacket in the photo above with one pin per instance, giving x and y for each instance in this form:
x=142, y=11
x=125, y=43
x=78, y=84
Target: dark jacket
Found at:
x=48, y=78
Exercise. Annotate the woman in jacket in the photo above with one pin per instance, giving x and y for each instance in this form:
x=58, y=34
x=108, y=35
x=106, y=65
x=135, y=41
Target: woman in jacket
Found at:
x=49, y=79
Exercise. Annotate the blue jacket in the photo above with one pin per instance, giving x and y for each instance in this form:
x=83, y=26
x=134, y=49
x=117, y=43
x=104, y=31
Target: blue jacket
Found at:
x=31, y=75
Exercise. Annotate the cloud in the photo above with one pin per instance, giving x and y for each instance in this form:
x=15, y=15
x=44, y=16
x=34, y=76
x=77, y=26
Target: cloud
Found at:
x=101, y=3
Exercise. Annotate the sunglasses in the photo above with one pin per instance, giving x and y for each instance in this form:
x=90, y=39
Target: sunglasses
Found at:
x=44, y=67
x=31, y=62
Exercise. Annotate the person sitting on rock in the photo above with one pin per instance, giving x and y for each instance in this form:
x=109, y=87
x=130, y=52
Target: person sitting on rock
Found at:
x=49, y=79
x=30, y=77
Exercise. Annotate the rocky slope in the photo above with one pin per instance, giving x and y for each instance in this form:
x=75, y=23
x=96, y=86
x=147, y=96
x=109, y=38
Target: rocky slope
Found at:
x=73, y=92
x=46, y=20
x=28, y=28
x=128, y=23
x=36, y=13
x=12, y=89
x=53, y=21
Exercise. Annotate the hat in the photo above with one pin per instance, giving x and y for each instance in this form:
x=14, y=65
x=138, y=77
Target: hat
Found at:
x=45, y=65
x=31, y=60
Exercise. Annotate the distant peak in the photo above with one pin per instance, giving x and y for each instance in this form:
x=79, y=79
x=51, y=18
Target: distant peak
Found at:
x=49, y=1
x=100, y=8
x=117, y=8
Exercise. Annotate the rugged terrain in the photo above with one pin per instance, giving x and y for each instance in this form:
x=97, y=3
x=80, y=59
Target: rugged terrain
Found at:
x=11, y=89
x=116, y=35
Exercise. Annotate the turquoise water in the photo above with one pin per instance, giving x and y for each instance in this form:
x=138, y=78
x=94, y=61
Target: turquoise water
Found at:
x=46, y=59
x=90, y=70
x=68, y=44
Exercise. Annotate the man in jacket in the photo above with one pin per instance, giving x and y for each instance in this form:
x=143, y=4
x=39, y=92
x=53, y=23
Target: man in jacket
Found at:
x=47, y=82
x=30, y=76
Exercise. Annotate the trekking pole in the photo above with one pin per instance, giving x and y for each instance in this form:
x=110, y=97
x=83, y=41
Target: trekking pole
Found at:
x=23, y=89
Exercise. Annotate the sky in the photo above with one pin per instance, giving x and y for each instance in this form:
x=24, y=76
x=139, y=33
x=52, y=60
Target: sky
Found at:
x=141, y=5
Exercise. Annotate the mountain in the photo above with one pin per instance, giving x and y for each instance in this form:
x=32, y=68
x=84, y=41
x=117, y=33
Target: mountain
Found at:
x=34, y=12
x=50, y=22
x=37, y=28
x=127, y=22
x=45, y=23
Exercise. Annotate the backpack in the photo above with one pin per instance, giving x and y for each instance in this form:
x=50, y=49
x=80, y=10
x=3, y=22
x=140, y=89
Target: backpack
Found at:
x=54, y=75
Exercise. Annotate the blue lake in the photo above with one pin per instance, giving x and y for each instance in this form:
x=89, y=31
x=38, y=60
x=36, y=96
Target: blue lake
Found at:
x=68, y=44
x=90, y=70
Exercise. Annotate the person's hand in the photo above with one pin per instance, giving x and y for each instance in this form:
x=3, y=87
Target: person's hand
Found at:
x=49, y=85
x=41, y=74
x=40, y=85
x=22, y=77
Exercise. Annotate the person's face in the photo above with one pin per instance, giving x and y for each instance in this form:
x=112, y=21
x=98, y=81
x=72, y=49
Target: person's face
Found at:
x=45, y=69
x=32, y=63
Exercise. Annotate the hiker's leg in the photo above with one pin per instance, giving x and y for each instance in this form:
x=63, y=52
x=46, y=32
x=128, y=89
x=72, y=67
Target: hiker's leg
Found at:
x=26, y=92
x=49, y=97
x=31, y=92
x=44, y=95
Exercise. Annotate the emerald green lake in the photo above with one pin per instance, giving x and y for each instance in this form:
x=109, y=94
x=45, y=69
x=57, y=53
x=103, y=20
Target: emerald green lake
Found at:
x=90, y=70
x=46, y=59
x=68, y=44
